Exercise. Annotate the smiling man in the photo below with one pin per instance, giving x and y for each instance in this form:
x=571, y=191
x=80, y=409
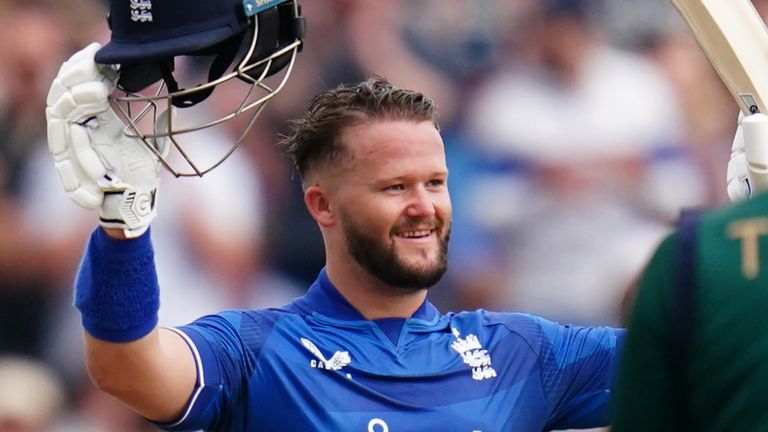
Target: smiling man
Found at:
x=363, y=350
x=379, y=192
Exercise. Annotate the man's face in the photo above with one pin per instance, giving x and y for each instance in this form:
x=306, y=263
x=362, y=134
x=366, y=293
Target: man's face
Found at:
x=393, y=202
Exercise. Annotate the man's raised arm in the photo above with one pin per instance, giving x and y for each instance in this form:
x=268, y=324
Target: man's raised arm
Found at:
x=150, y=369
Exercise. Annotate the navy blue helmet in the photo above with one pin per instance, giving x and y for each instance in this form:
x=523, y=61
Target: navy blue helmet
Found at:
x=223, y=40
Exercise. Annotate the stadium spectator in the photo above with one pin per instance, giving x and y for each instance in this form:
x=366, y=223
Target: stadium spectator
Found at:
x=587, y=144
x=31, y=395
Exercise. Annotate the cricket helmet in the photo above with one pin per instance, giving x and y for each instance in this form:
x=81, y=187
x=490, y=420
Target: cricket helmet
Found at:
x=173, y=54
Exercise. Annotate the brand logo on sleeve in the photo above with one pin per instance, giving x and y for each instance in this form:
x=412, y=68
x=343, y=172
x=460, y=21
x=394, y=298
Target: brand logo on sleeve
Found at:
x=338, y=360
x=474, y=355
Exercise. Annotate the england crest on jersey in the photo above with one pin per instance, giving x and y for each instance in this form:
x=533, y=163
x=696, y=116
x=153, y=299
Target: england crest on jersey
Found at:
x=474, y=355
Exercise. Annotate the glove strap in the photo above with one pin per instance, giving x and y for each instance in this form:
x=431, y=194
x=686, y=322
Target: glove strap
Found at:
x=131, y=209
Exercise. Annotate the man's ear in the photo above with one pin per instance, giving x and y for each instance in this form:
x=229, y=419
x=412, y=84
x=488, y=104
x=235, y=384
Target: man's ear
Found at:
x=318, y=202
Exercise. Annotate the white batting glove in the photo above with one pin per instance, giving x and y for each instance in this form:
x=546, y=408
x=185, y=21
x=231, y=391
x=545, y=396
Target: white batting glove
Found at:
x=98, y=165
x=755, y=130
x=748, y=168
x=737, y=178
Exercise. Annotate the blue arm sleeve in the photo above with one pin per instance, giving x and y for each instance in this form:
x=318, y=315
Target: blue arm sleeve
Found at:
x=578, y=369
x=226, y=347
x=219, y=357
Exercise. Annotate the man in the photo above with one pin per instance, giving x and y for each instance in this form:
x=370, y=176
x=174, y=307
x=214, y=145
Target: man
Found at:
x=695, y=355
x=363, y=350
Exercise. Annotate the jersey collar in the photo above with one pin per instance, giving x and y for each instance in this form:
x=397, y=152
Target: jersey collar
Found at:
x=323, y=298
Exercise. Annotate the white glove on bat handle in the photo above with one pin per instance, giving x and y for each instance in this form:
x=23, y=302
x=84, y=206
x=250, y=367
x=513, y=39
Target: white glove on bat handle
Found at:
x=98, y=165
x=755, y=130
x=737, y=179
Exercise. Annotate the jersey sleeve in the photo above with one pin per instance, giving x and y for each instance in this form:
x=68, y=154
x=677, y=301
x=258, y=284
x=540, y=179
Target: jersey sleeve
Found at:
x=645, y=389
x=224, y=365
x=577, y=371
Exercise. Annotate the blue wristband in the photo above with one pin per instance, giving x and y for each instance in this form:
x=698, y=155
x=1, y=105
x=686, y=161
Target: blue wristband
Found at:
x=116, y=289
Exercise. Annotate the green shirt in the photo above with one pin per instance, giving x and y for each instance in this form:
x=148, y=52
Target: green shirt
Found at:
x=722, y=380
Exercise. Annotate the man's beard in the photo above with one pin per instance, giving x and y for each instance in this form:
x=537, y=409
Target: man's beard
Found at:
x=381, y=260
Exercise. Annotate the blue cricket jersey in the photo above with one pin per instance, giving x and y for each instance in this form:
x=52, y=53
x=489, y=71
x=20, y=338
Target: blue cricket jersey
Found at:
x=316, y=364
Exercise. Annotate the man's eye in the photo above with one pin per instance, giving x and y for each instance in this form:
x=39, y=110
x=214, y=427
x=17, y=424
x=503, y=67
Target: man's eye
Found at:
x=396, y=187
x=435, y=183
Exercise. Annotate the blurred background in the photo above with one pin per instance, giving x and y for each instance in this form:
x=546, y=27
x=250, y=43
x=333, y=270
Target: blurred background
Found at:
x=576, y=130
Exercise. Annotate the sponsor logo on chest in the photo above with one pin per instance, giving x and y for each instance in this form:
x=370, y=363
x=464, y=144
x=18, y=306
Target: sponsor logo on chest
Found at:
x=338, y=360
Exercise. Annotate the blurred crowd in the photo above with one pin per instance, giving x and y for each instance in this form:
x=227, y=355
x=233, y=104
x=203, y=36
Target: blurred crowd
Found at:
x=576, y=130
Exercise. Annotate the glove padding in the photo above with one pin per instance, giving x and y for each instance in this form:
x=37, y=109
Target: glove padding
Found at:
x=737, y=177
x=98, y=165
x=748, y=167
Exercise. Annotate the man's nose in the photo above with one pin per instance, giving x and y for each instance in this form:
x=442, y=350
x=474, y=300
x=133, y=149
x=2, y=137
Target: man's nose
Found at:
x=421, y=203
